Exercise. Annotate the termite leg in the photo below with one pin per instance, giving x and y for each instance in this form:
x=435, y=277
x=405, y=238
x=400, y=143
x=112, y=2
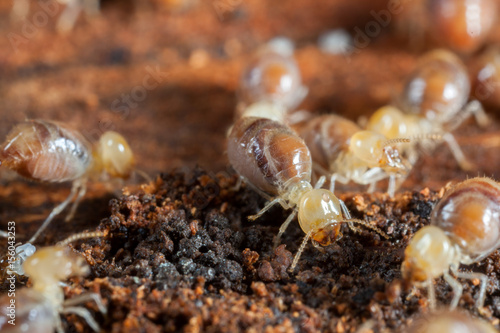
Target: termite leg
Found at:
x=58, y=209
x=86, y=298
x=391, y=188
x=372, y=187
x=457, y=152
x=84, y=313
x=320, y=182
x=267, y=207
x=470, y=276
x=457, y=290
x=431, y=294
x=81, y=193
x=283, y=228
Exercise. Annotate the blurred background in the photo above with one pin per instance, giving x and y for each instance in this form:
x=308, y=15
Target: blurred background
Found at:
x=164, y=73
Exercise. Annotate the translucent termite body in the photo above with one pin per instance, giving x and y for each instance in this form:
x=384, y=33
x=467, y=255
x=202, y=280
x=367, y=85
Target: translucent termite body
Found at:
x=38, y=308
x=272, y=79
x=276, y=162
x=465, y=228
x=438, y=89
x=449, y=322
x=432, y=104
x=461, y=25
x=69, y=15
x=340, y=148
x=50, y=151
x=486, y=77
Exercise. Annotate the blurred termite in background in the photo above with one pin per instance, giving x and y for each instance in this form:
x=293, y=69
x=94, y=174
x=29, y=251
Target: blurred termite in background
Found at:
x=53, y=152
x=486, y=77
x=460, y=25
x=434, y=102
x=271, y=80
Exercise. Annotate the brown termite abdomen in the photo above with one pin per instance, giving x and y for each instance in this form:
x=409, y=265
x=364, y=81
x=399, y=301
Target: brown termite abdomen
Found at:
x=275, y=158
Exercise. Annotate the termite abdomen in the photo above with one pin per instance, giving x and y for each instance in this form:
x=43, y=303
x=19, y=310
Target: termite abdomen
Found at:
x=268, y=154
x=46, y=151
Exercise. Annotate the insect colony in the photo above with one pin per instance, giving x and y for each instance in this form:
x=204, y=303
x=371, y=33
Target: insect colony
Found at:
x=288, y=157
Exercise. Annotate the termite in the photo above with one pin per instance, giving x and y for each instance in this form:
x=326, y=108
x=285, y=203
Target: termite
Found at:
x=465, y=228
x=272, y=79
x=460, y=25
x=49, y=151
x=433, y=104
x=276, y=162
x=340, y=148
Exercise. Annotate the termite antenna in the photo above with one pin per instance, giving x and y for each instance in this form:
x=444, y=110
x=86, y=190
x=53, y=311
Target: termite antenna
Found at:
x=369, y=226
x=299, y=252
x=81, y=235
x=428, y=136
x=391, y=142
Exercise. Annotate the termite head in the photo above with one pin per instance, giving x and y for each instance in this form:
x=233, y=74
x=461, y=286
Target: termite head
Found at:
x=429, y=254
x=54, y=263
x=376, y=151
x=114, y=155
x=320, y=213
